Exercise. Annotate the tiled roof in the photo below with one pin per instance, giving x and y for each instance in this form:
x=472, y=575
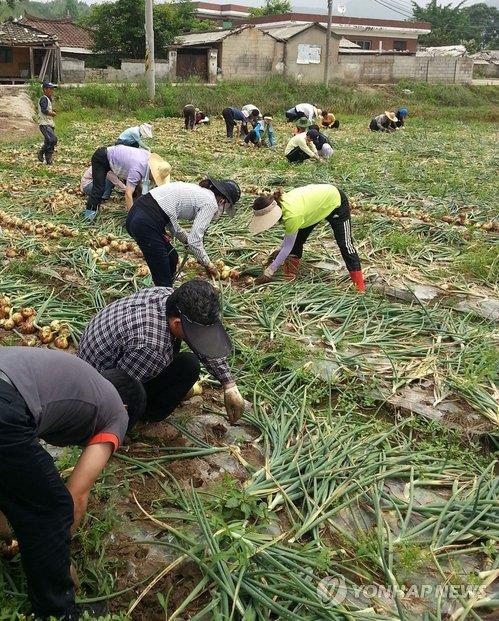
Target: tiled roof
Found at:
x=67, y=32
x=12, y=33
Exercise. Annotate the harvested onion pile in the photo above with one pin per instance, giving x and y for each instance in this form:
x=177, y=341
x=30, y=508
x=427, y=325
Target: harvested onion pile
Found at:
x=23, y=321
x=37, y=227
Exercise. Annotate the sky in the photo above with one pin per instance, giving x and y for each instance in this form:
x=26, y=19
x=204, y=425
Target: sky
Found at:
x=400, y=9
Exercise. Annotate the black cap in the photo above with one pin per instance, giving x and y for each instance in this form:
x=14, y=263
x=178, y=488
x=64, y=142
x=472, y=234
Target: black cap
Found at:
x=227, y=188
x=209, y=341
x=49, y=85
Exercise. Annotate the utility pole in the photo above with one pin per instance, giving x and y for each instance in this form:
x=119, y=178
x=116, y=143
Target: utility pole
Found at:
x=328, y=40
x=149, y=60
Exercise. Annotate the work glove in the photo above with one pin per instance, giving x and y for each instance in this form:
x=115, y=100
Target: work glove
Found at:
x=234, y=403
x=212, y=270
x=265, y=277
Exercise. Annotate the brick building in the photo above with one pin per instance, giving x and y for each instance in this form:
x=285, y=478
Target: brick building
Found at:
x=370, y=34
x=251, y=51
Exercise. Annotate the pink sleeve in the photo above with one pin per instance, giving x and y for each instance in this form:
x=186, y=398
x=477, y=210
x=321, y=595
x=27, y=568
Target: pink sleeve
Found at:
x=115, y=181
x=287, y=245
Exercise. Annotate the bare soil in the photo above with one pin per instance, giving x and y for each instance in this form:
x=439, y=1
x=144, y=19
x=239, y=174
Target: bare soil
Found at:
x=17, y=115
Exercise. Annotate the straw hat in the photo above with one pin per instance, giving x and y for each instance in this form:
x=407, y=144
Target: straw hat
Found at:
x=264, y=219
x=392, y=116
x=145, y=130
x=160, y=169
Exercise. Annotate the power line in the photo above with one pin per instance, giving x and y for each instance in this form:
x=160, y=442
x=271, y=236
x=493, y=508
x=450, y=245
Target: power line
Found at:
x=396, y=9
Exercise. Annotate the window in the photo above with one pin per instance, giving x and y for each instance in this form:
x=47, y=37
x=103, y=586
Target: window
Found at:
x=6, y=55
x=400, y=46
x=364, y=45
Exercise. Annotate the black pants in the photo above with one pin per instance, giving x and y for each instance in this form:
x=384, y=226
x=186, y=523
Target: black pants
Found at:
x=341, y=223
x=189, y=113
x=296, y=156
x=293, y=115
x=230, y=123
x=146, y=223
x=49, y=140
x=166, y=391
x=38, y=506
x=100, y=168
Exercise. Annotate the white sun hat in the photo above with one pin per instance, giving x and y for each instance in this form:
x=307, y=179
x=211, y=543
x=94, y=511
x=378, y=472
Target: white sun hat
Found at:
x=145, y=130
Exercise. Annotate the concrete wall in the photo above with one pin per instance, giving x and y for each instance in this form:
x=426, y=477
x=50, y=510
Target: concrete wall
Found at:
x=369, y=68
x=73, y=70
x=250, y=54
x=131, y=70
x=310, y=72
x=19, y=67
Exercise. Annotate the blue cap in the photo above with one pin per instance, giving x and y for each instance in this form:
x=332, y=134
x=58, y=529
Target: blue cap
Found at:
x=403, y=112
x=49, y=85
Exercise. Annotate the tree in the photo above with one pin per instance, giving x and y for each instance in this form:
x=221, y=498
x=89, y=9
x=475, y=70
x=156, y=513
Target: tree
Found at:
x=273, y=7
x=72, y=8
x=126, y=38
x=475, y=26
x=484, y=26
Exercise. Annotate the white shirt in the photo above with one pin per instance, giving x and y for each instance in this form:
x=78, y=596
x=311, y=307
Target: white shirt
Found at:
x=308, y=110
x=188, y=201
x=248, y=109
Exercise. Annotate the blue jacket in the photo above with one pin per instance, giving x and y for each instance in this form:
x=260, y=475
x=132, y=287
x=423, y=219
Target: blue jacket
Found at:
x=264, y=131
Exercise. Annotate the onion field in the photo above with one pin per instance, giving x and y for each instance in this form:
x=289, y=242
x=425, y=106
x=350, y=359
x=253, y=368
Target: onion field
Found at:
x=361, y=483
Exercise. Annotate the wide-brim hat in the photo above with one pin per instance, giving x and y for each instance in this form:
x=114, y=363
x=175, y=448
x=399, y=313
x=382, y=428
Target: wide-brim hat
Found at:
x=146, y=130
x=209, y=341
x=303, y=123
x=160, y=169
x=392, y=116
x=229, y=189
x=264, y=219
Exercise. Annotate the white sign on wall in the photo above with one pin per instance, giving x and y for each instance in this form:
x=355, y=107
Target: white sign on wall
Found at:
x=309, y=54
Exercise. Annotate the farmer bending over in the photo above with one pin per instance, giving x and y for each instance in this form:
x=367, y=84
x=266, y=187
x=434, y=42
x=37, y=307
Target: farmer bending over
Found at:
x=304, y=110
x=46, y=114
x=162, y=209
x=59, y=398
x=137, y=166
x=329, y=120
x=142, y=333
x=301, y=210
x=262, y=134
x=386, y=122
x=300, y=147
x=234, y=115
x=133, y=136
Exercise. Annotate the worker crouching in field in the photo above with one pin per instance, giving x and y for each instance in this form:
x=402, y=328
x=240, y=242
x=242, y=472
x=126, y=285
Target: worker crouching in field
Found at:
x=233, y=116
x=301, y=210
x=321, y=142
x=300, y=147
x=304, y=111
x=142, y=333
x=162, y=209
x=46, y=114
x=137, y=166
x=112, y=181
x=386, y=122
x=329, y=120
x=262, y=134
x=133, y=136
x=59, y=398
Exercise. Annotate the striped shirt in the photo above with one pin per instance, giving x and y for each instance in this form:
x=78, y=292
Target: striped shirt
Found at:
x=133, y=334
x=188, y=201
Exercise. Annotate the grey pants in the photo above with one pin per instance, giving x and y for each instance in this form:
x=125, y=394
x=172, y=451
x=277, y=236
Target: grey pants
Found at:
x=50, y=139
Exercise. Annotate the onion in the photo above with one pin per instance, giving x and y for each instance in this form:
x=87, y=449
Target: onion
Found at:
x=61, y=342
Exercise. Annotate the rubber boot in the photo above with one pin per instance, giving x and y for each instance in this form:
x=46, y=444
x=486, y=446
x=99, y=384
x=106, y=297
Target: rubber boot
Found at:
x=358, y=280
x=40, y=155
x=291, y=267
